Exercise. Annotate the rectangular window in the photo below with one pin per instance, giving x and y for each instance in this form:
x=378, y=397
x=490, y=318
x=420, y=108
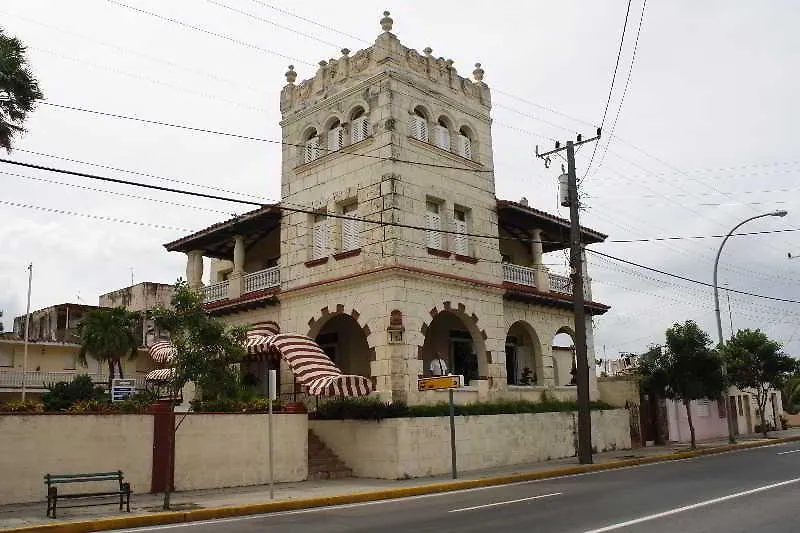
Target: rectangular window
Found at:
x=69, y=362
x=464, y=146
x=442, y=137
x=6, y=359
x=335, y=139
x=419, y=128
x=433, y=221
x=319, y=246
x=359, y=129
x=702, y=408
x=311, y=151
x=351, y=229
x=460, y=239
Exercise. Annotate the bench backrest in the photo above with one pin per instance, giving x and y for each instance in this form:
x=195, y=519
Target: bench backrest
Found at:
x=52, y=479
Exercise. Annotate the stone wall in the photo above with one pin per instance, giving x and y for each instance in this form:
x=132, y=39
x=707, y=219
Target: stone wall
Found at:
x=212, y=450
x=617, y=391
x=415, y=447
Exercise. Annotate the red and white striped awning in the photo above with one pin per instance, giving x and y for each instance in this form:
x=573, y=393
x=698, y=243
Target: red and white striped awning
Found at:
x=258, y=334
x=313, y=368
x=160, y=375
x=162, y=352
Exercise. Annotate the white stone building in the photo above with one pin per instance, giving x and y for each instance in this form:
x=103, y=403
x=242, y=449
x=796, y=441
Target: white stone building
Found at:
x=389, y=244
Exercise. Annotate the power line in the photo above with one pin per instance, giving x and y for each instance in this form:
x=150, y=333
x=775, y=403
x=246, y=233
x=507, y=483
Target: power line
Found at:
x=252, y=137
x=209, y=32
x=611, y=87
x=678, y=276
x=310, y=21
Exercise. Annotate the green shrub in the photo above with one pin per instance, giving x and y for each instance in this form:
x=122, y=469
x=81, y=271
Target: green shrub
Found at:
x=62, y=395
x=92, y=406
x=374, y=409
x=229, y=405
x=21, y=406
x=138, y=403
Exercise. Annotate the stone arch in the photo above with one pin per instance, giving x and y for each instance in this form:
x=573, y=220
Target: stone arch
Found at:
x=563, y=350
x=334, y=117
x=523, y=351
x=310, y=131
x=344, y=338
x=455, y=333
x=417, y=108
x=354, y=108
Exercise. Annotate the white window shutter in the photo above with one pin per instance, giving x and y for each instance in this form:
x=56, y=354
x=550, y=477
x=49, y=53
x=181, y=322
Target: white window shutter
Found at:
x=351, y=229
x=461, y=240
x=312, y=149
x=464, y=146
x=433, y=237
x=320, y=238
x=442, y=137
x=335, y=139
x=359, y=129
x=419, y=128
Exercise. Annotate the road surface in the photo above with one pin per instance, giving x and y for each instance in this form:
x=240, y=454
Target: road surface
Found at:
x=745, y=491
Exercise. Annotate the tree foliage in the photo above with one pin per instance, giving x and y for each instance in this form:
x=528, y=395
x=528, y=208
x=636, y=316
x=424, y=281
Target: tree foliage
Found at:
x=757, y=363
x=19, y=90
x=791, y=395
x=108, y=335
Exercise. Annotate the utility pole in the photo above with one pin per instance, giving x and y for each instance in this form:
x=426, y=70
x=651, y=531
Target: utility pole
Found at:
x=578, y=304
x=27, y=328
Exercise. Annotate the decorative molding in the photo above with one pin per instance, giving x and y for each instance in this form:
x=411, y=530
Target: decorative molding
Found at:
x=439, y=253
x=316, y=262
x=345, y=255
x=465, y=258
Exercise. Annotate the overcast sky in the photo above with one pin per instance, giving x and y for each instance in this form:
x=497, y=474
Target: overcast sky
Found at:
x=706, y=137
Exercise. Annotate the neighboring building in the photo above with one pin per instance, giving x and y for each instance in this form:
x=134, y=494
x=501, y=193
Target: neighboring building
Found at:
x=53, y=345
x=391, y=136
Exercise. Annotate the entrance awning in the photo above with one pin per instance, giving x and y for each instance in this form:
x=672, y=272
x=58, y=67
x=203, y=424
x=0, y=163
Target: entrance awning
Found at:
x=160, y=375
x=162, y=352
x=257, y=336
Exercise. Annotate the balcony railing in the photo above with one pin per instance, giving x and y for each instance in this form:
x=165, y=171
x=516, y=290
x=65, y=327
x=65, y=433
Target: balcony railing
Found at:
x=560, y=284
x=39, y=380
x=518, y=274
x=215, y=291
x=263, y=279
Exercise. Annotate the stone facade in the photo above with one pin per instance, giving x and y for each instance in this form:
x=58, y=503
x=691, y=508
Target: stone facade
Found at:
x=389, y=245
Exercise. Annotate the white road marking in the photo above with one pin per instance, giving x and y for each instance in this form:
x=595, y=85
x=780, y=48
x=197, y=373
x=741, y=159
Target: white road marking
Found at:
x=506, y=502
x=698, y=505
x=790, y=451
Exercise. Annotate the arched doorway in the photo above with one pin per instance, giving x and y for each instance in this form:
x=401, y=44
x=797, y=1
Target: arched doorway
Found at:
x=523, y=356
x=456, y=339
x=564, y=362
x=344, y=341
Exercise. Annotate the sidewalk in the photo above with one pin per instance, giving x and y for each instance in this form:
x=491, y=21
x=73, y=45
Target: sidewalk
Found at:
x=33, y=514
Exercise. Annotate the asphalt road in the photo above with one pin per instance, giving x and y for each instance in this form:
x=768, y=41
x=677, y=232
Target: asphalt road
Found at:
x=755, y=490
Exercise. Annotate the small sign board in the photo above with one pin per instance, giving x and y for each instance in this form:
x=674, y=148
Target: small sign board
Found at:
x=121, y=389
x=440, y=382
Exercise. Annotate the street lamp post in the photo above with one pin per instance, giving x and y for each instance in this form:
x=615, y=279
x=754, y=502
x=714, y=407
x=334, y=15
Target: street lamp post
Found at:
x=728, y=416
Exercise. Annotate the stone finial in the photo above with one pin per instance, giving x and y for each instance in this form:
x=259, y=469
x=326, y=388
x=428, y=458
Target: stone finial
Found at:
x=386, y=22
x=449, y=63
x=323, y=63
x=345, y=52
x=428, y=51
x=291, y=75
x=478, y=72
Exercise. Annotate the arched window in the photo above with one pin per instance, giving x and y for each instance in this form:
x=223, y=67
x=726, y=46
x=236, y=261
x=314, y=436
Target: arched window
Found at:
x=419, y=124
x=465, y=140
x=311, y=146
x=359, y=125
x=442, y=138
x=335, y=136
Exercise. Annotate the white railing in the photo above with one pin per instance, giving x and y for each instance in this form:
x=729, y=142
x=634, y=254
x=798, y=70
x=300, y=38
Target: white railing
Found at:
x=215, y=291
x=263, y=279
x=40, y=380
x=560, y=284
x=518, y=274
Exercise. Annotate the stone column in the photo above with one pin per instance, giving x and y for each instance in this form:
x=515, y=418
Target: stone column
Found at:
x=235, y=280
x=541, y=272
x=194, y=268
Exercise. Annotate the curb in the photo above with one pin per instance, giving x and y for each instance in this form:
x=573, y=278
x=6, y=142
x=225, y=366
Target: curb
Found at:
x=174, y=517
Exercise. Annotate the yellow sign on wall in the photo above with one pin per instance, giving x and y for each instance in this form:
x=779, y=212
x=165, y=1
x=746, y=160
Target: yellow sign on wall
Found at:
x=440, y=383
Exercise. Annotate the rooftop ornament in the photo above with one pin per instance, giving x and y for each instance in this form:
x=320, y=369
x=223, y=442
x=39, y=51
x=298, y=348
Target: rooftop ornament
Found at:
x=386, y=22
x=478, y=72
x=291, y=75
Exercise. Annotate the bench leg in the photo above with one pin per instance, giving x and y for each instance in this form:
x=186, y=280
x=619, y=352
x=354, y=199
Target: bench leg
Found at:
x=55, y=501
x=48, y=506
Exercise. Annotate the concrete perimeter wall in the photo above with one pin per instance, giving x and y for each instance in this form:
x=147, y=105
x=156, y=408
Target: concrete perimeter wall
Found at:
x=212, y=450
x=415, y=447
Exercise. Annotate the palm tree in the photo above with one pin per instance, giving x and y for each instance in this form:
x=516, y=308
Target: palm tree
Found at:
x=19, y=90
x=108, y=334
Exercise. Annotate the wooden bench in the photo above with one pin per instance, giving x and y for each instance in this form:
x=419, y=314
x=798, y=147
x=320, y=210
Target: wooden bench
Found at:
x=51, y=480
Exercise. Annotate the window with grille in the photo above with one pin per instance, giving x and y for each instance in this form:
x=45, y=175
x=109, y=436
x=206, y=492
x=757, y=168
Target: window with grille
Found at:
x=443, y=137
x=433, y=221
x=319, y=246
x=464, y=146
x=335, y=139
x=359, y=129
x=419, y=128
x=460, y=239
x=311, y=150
x=351, y=229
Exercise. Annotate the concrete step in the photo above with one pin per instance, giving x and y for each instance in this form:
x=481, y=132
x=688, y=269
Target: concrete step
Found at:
x=322, y=462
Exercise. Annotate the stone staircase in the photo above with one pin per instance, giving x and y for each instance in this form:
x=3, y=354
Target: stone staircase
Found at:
x=322, y=462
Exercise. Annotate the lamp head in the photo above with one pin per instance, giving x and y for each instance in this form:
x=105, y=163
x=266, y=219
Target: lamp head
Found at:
x=781, y=213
